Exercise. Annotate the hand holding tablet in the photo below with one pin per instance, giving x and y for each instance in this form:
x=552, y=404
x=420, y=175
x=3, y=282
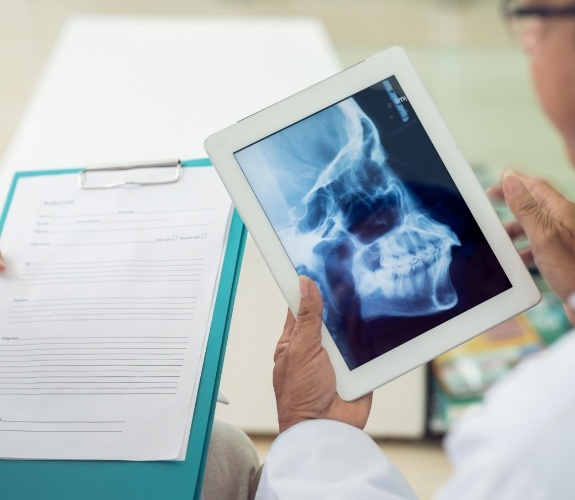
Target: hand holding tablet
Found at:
x=357, y=183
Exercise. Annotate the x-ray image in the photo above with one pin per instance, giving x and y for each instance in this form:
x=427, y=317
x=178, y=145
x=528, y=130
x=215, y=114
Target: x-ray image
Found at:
x=364, y=206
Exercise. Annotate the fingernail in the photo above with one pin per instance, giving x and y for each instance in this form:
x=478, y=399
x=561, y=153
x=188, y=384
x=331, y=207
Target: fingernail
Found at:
x=304, y=286
x=513, y=185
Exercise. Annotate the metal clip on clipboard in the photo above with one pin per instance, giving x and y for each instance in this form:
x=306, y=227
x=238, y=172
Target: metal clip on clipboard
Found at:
x=133, y=174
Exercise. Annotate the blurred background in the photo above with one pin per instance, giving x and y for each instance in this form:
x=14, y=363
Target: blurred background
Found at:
x=471, y=66
x=479, y=79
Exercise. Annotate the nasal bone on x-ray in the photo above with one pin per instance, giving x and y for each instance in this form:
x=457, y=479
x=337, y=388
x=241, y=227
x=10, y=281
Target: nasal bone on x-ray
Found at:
x=344, y=215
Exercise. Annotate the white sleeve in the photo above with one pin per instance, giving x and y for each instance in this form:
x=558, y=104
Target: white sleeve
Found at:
x=521, y=442
x=329, y=459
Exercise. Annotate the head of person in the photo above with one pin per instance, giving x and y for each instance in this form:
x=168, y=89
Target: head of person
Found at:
x=546, y=30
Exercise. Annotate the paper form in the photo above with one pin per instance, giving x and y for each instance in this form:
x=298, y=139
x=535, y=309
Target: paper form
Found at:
x=104, y=312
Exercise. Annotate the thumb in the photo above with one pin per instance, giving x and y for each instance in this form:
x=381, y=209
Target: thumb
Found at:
x=310, y=310
x=522, y=204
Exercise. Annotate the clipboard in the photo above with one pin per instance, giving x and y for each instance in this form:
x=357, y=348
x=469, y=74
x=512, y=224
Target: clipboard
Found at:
x=61, y=479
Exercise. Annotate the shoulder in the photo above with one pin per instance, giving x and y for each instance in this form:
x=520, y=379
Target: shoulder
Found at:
x=524, y=432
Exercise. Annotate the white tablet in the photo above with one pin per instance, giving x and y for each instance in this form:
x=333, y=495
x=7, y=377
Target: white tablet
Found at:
x=357, y=183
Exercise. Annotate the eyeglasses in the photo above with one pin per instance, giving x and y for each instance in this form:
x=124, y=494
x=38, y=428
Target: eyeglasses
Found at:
x=520, y=15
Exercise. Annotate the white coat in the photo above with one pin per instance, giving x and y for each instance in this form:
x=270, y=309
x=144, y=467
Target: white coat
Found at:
x=519, y=445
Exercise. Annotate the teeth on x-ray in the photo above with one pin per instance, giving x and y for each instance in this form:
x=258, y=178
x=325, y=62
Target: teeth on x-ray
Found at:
x=398, y=256
x=347, y=221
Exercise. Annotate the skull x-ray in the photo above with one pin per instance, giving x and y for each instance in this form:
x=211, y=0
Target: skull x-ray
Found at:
x=364, y=206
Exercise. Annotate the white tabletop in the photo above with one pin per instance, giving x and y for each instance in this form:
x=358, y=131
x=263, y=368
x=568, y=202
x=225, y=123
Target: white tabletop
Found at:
x=144, y=88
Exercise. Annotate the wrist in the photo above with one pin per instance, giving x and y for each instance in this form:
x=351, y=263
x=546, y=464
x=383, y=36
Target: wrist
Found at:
x=284, y=426
x=285, y=421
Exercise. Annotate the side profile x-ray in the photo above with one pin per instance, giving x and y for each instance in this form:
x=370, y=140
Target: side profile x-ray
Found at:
x=363, y=205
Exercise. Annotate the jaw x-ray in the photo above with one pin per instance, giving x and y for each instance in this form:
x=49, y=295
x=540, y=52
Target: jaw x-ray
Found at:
x=364, y=206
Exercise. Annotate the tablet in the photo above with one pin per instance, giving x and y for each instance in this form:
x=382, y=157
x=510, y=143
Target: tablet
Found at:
x=357, y=183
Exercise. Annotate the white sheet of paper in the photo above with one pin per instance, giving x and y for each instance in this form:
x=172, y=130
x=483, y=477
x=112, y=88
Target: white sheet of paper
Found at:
x=104, y=312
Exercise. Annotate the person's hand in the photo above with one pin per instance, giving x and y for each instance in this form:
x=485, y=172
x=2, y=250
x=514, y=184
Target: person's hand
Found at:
x=548, y=221
x=2, y=265
x=304, y=379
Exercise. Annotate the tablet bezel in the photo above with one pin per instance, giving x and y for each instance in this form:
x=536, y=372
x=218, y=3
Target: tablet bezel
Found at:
x=221, y=146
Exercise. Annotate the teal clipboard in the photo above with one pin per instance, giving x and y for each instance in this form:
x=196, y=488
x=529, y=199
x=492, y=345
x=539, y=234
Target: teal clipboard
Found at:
x=63, y=479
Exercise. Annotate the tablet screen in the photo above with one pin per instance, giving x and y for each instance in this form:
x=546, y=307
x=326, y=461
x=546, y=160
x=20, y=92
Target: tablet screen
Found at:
x=363, y=204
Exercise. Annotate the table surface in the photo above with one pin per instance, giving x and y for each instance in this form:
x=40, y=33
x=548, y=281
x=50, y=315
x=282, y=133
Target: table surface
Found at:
x=141, y=88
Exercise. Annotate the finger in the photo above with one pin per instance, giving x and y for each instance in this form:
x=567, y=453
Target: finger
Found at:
x=527, y=257
x=542, y=192
x=365, y=401
x=2, y=265
x=365, y=405
x=289, y=322
x=357, y=411
x=526, y=209
x=308, y=320
x=285, y=336
x=495, y=192
x=570, y=308
x=552, y=202
x=514, y=230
